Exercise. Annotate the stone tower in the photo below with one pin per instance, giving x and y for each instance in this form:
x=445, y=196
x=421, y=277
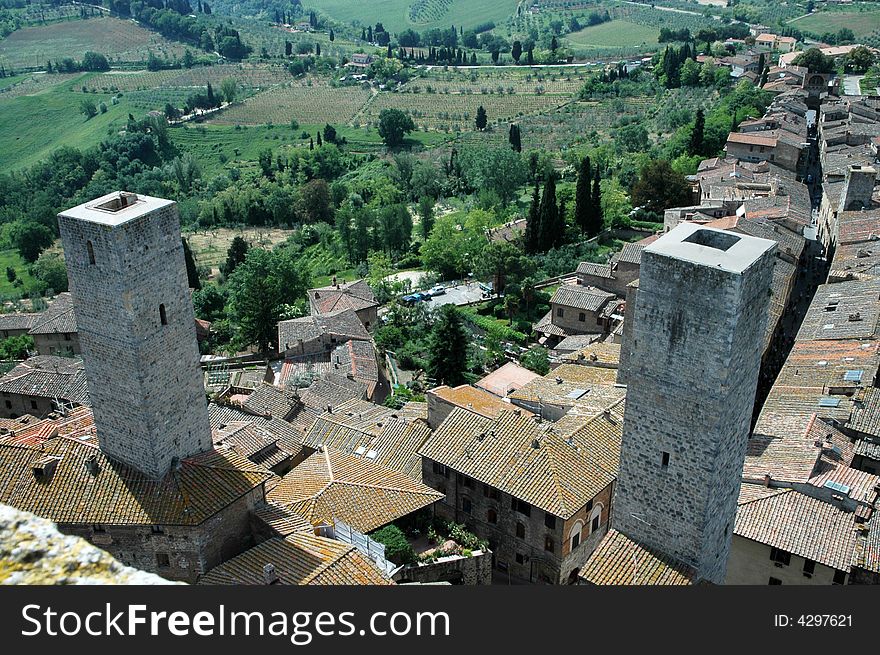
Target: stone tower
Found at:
x=698, y=334
x=136, y=329
x=858, y=189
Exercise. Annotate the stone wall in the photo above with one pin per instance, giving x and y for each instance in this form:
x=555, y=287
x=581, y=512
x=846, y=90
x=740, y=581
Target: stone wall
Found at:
x=61, y=343
x=137, y=334
x=32, y=551
x=698, y=332
x=750, y=564
x=475, y=569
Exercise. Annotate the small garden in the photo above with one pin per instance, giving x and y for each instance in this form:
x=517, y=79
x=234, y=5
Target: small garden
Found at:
x=423, y=539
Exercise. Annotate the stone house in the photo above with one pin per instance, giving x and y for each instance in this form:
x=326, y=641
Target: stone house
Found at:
x=776, y=146
x=319, y=334
x=54, y=330
x=42, y=385
x=539, y=499
x=356, y=295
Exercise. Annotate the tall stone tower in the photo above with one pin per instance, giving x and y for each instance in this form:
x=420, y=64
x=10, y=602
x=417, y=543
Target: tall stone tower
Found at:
x=136, y=329
x=859, y=188
x=698, y=332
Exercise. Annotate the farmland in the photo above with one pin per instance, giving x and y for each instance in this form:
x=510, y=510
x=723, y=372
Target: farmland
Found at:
x=862, y=23
x=209, y=246
x=24, y=141
x=615, y=33
x=9, y=290
x=397, y=15
x=121, y=41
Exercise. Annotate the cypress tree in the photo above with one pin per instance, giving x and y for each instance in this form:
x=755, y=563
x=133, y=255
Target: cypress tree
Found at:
x=447, y=361
x=481, y=119
x=596, y=204
x=533, y=224
x=192, y=271
x=695, y=146
x=514, y=138
x=582, y=199
x=548, y=236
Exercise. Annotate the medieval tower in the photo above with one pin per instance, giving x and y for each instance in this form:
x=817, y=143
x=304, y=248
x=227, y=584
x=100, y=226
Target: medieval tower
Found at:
x=136, y=329
x=697, y=336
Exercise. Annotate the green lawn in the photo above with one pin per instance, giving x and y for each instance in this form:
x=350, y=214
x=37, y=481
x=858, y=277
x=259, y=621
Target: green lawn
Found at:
x=11, y=259
x=861, y=23
x=395, y=15
x=33, y=126
x=615, y=33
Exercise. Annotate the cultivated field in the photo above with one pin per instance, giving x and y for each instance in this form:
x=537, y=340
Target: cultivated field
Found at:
x=862, y=23
x=122, y=41
x=210, y=246
x=397, y=15
x=247, y=75
x=615, y=33
x=24, y=141
x=31, y=83
x=309, y=101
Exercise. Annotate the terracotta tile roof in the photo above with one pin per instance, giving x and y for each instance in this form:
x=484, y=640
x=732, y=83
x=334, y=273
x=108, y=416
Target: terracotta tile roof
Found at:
x=751, y=138
x=599, y=437
x=18, y=320
x=588, y=299
x=392, y=440
x=299, y=559
x=527, y=460
x=58, y=317
x=802, y=525
x=854, y=316
x=269, y=400
x=597, y=353
x=282, y=520
x=117, y=494
x=358, y=358
x=620, y=560
x=631, y=253
x=342, y=325
x=471, y=398
x=354, y=295
x=331, y=484
x=509, y=377
x=48, y=376
x=596, y=270
x=546, y=326
x=257, y=443
x=585, y=389
x=858, y=226
x=576, y=342
x=867, y=551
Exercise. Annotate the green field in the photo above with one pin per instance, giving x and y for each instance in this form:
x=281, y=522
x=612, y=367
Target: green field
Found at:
x=25, y=141
x=397, y=15
x=11, y=259
x=861, y=23
x=615, y=33
x=122, y=41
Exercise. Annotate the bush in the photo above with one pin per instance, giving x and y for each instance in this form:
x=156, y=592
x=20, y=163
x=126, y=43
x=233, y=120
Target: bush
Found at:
x=397, y=548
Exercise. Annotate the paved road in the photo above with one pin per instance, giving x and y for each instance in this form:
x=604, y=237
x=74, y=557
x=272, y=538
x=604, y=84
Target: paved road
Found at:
x=851, y=85
x=460, y=295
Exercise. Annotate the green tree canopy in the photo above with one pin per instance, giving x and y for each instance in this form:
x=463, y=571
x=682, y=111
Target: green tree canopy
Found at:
x=394, y=125
x=447, y=353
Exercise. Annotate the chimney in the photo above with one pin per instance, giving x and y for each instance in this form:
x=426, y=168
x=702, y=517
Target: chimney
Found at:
x=91, y=465
x=44, y=468
x=269, y=576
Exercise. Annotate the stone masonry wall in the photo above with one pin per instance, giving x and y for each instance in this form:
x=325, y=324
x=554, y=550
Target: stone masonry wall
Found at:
x=144, y=379
x=697, y=337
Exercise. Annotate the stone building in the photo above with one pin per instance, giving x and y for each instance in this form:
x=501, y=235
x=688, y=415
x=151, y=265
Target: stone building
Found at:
x=54, y=330
x=538, y=496
x=576, y=309
x=42, y=385
x=136, y=330
x=698, y=331
x=356, y=295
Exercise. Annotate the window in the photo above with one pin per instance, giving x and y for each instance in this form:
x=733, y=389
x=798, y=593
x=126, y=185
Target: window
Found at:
x=520, y=558
x=492, y=516
x=582, y=317
x=468, y=482
x=97, y=527
x=8, y=404
x=156, y=529
x=595, y=518
x=439, y=469
x=574, y=536
x=67, y=336
x=839, y=577
x=774, y=581
x=521, y=507
x=491, y=492
x=548, y=544
x=162, y=317
x=780, y=556
x=466, y=505
x=163, y=560
x=33, y=404
x=809, y=567
x=664, y=461
x=550, y=520
x=559, y=312
x=595, y=524
x=521, y=530
x=91, y=250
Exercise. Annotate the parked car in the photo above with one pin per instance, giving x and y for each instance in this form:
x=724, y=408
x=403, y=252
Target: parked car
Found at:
x=438, y=290
x=412, y=299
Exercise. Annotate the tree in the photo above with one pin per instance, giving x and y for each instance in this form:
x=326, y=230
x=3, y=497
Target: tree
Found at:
x=514, y=138
x=481, y=119
x=516, y=51
x=30, y=238
x=426, y=215
x=212, y=101
x=192, y=271
x=316, y=203
x=332, y=36
x=596, y=220
x=536, y=359
x=532, y=234
x=16, y=348
x=235, y=255
x=552, y=230
x=858, y=60
x=229, y=89
x=88, y=107
x=94, y=61
x=447, y=352
x=659, y=187
x=50, y=270
x=260, y=290
x=498, y=260
x=695, y=145
x=394, y=125
x=815, y=61
x=11, y=274
x=583, y=199
x=329, y=134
